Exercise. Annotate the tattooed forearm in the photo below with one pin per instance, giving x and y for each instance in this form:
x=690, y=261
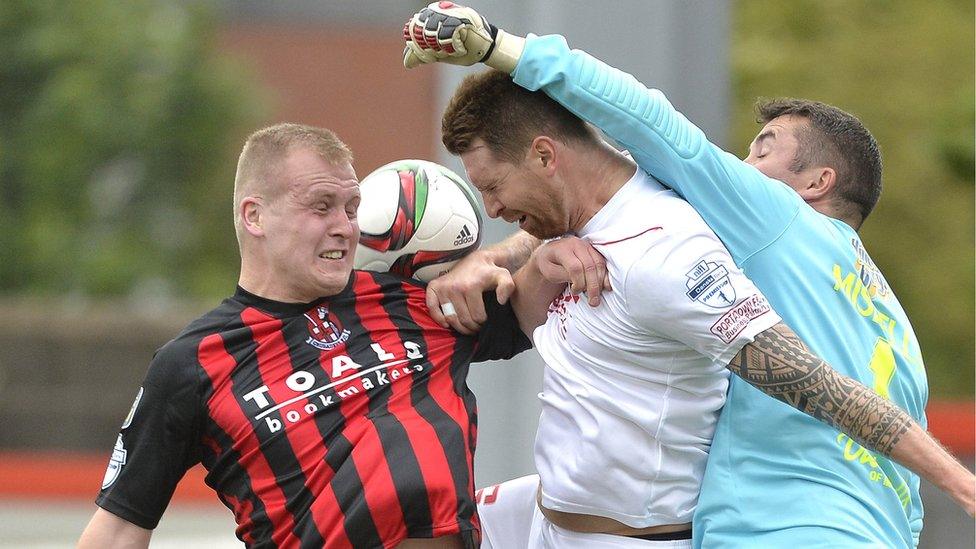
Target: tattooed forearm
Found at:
x=778, y=364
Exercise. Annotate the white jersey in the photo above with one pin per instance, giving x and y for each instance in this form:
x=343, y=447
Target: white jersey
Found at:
x=633, y=387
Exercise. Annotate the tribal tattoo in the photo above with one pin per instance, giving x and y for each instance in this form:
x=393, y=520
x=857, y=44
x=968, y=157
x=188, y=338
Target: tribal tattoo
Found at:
x=779, y=364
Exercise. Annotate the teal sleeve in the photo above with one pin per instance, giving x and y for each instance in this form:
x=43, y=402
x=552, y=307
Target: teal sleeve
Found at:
x=746, y=209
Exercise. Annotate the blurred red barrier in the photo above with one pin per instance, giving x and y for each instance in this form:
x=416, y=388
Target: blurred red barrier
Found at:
x=954, y=424
x=78, y=475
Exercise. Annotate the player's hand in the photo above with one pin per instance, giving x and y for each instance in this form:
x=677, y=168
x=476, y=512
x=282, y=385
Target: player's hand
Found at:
x=575, y=261
x=462, y=287
x=451, y=33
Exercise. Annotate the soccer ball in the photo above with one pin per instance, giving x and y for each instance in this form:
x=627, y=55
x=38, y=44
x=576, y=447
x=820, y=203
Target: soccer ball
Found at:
x=417, y=219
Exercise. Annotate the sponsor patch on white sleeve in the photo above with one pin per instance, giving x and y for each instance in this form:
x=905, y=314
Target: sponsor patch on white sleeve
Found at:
x=733, y=322
x=709, y=283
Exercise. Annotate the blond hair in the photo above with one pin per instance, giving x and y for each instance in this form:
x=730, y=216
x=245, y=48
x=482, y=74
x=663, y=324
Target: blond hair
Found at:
x=265, y=150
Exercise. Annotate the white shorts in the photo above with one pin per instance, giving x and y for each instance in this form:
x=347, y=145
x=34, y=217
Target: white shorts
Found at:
x=510, y=519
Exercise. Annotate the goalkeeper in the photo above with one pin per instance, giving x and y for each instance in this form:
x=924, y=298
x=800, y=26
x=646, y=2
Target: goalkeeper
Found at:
x=789, y=215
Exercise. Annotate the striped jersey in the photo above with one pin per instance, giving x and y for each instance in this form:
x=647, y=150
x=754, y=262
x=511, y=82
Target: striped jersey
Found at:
x=344, y=422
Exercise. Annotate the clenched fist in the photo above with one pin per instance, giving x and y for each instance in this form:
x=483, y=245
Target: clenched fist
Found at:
x=450, y=33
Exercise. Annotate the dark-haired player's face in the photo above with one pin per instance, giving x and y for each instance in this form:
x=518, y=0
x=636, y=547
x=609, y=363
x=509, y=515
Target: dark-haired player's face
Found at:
x=774, y=150
x=516, y=194
x=311, y=229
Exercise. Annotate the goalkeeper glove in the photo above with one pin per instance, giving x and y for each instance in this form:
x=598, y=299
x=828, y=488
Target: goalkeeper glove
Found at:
x=450, y=33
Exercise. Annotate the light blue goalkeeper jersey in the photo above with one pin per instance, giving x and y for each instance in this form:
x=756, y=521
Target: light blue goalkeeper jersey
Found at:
x=775, y=477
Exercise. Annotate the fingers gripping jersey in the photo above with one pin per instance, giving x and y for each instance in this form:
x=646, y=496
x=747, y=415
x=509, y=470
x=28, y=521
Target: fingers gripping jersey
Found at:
x=345, y=422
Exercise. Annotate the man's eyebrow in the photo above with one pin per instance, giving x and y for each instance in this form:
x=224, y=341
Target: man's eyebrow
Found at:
x=765, y=134
x=483, y=183
x=318, y=193
x=499, y=178
x=322, y=188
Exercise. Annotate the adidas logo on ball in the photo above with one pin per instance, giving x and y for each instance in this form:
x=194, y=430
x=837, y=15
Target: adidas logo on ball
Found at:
x=464, y=237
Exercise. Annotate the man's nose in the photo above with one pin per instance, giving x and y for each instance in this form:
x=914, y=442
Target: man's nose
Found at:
x=492, y=206
x=342, y=224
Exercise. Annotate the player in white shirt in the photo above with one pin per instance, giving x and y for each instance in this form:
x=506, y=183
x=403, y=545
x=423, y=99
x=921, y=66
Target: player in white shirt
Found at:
x=646, y=367
x=633, y=387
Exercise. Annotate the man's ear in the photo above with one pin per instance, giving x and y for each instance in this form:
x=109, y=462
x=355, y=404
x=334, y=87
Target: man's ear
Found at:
x=252, y=209
x=820, y=185
x=542, y=155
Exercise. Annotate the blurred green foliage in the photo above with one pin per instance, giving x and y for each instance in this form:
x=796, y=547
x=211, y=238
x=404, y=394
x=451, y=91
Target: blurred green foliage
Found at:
x=906, y=68
x=118, y=123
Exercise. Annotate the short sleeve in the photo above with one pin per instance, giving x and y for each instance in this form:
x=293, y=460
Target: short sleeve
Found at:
x=693, y=292
x=500, y=337
x=157, y=443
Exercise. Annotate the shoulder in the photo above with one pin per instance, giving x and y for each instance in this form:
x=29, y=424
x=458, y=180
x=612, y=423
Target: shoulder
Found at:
x=382, y=288
x=365, y=282
x=670, y=262
x=176, y=361
x=405, y=297
x=669, y=231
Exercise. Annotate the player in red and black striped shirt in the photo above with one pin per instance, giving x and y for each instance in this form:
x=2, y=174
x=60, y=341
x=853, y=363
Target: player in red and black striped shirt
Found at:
x=328, y=407
x=343, y=422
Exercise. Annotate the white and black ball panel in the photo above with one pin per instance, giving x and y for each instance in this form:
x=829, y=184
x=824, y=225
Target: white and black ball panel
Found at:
x=379, y=197
x=417, y=219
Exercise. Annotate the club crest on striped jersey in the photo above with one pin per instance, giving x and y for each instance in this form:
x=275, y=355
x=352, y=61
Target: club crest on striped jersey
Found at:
x=324, y=331
x=709, y=283
x=115, y=463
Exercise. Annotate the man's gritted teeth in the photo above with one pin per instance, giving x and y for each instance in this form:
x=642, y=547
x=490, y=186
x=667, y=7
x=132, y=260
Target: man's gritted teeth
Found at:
x=333, y=254
x=514, y=219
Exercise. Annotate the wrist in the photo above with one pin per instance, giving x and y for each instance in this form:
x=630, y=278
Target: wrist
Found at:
x=529, y=269
x=501, y=257
x=506, y=51
x=520, y=247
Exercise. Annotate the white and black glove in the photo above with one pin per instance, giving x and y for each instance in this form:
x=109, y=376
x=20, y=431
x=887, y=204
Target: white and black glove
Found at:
x=450, y=33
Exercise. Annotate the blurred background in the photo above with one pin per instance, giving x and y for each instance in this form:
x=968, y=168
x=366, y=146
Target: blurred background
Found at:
x=120, y=124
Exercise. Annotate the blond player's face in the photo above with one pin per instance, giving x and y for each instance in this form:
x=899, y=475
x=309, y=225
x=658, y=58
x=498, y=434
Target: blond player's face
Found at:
x=311, y=228
x=515, y=194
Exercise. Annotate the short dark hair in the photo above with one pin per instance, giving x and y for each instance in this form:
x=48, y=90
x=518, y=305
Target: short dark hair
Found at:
x=507, y=117
x=835, y=139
